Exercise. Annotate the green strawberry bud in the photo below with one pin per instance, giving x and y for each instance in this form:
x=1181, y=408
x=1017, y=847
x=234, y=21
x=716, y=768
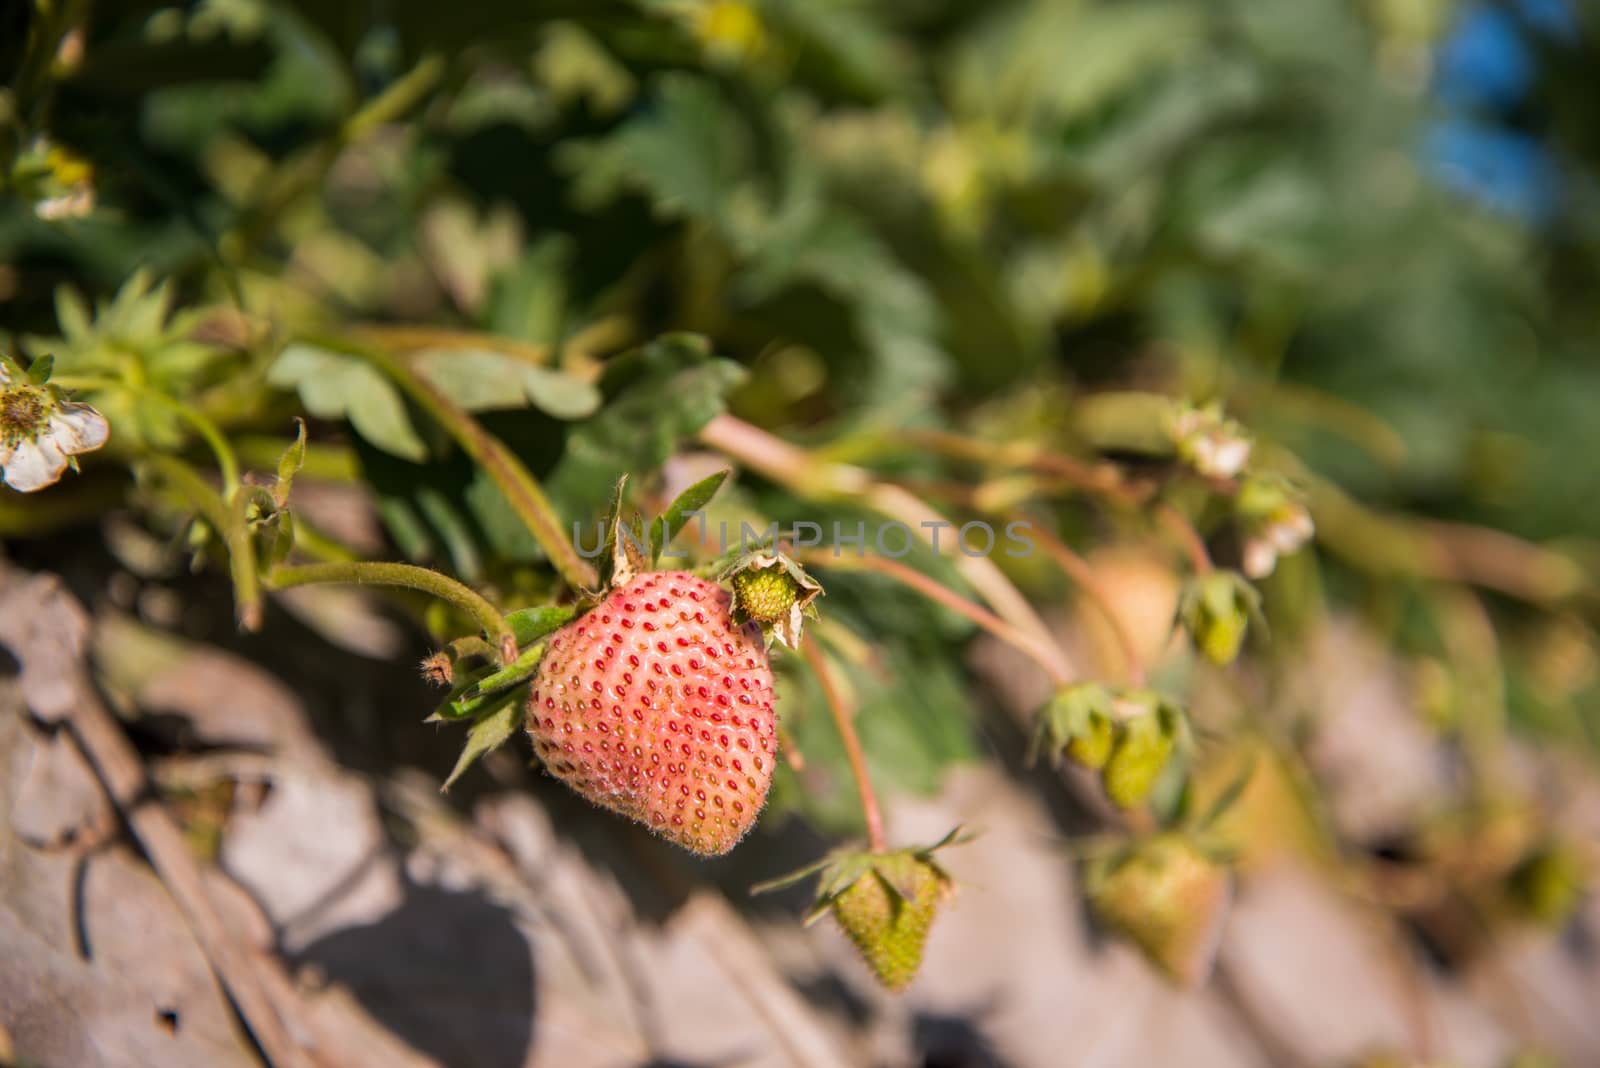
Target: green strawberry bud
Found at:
x=1170, y=900
x=887, y=912
x=1143, y=745
x=766, y=594
x=772, y=590
x=1216, y=609
x=884, y=902
x=1092, y=747
x=1077, y=721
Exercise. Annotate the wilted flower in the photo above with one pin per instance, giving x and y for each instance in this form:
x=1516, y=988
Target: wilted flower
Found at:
x=39, y=432
x=1212, y=444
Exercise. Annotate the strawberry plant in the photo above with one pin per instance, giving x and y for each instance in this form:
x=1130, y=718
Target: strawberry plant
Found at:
x=760, y=415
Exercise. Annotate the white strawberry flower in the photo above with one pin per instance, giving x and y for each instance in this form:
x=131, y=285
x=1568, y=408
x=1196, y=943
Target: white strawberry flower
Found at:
x=39, y=432
x=1286, y=529
x=1213, y=445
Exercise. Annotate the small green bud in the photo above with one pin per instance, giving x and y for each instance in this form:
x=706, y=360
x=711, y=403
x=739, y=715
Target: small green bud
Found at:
x=765, y=595
x=1216, y=610
x=1140, y=753
x=772, y=590
x=1150, y=729
x=884, y=901
x=887, y=912
x=1092, y=747
x=1078, y=722
x=1170, y=899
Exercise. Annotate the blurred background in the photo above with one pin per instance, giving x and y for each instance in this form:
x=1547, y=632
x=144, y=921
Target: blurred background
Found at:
x=927, y=238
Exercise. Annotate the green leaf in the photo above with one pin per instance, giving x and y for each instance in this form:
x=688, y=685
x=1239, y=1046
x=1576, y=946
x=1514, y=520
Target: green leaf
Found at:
x=72, y=316
x=483, y=380
x=1229, y=796
x=531, y=624
x=39, y=370
x=488, y=731
x=687, y=151
x=289, y=464
x=282, y=537
x=656, y=396
x=609, y=526
x=690, y=501
x=334, y=386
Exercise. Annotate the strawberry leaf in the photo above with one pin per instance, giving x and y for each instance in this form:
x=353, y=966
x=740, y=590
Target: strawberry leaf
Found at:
x=488, y=731
x=690, y=501
x=531, y=624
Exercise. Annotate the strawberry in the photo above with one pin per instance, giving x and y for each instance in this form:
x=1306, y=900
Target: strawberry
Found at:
x=885, y=901
x=1171, y=899
x=763, y=595
x=1151, y=729
x=656, y=705
x=887, y=912
x=771, y=589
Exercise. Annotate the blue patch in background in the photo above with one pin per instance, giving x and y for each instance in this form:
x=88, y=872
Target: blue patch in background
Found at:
x=1485, y=68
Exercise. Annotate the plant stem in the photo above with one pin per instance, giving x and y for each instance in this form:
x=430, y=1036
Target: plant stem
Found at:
x=317, y=544
x=813, y=476
x=852, y=745
x=227, y=459
x=407, y=576
x=1100, y=478
x=510, y=474
x=1042, y=653
x=1078, y=569
x=230, y=526
x=1185, y=535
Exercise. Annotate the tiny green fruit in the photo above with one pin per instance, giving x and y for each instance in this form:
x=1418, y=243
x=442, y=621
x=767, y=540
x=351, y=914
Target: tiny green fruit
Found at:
x=1217, y=609
x=885, y=902
x=887, y=912
x=764, y=595
x=1077, y=721
x=1142, y=748
x=1170, y=899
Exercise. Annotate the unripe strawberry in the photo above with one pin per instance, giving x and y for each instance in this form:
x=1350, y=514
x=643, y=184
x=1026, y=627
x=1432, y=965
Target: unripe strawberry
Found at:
x=1077, y=721
x=656, y=705
x=884, y=901
x=887, y=913
x=1143, y=746
x=1217, y=609
x=1170, y=900
x=1092, y=748
x=773, y=591
x=764, y=595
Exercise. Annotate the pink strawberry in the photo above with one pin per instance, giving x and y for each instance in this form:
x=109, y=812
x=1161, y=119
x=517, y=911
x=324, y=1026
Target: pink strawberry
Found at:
x=656, y=705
